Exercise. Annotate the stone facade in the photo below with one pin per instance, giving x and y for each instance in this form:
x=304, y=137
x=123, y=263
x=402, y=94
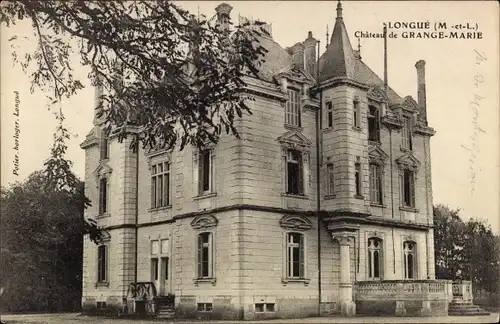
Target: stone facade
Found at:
x=248, y=208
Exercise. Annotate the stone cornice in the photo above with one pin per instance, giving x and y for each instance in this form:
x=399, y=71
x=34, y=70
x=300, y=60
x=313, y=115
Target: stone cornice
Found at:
x=348, y=217
x=268, y=90
x=424, y=130
x=340, y=81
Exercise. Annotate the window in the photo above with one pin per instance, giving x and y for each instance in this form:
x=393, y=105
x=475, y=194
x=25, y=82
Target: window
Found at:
x=154, y=269
x=206, y=172
x=205, y=255
x=357, y=178
x=356, y=113
x=164, y=268
x=373, y=124
x=376, y=183
x=292, y=112
x=374, y=258
x=295, y=255
x=103, y=196
x=263, y=308
x=329, y=114
x=294, y=173
x=160, y=185
x=204, y=307
x=407, y=180
x=104, y=146
x=409, y=259
x=100, y=305
x=330, y=174
x=102, y=263
x=406, y=140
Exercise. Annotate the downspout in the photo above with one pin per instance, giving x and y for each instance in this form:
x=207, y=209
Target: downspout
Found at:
x=428, y=211
x=136, y=206
x=386, y=87
x=392, y=201
x=318, y=182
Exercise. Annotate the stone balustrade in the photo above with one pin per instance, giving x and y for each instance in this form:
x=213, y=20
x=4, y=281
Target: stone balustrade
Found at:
x=404, y=297
x=462, y=290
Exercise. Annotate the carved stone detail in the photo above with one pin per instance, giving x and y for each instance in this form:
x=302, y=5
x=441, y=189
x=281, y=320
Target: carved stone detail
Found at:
x=295, y=222
x=204, y=221
x=344, y=238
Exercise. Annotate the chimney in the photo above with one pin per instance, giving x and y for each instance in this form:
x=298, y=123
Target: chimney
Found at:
x=98, y=92
x=420, y=65
x=310, y=45
x=298, y=55
x=223, y=15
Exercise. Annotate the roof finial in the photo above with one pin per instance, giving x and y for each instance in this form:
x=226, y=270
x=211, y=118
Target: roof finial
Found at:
x=359, y=47
x=327, y=36
x=339, y=10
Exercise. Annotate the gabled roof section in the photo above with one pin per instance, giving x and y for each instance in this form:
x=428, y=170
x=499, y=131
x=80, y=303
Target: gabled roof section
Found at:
x=407, y=103
x=276, y=59
x=294, y=139
x=376, y=93
x=339, y=59
x=363, y=74
x=408, y=160
x=296, y=74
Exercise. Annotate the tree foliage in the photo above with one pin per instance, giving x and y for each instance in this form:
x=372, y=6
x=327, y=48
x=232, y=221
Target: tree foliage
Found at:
x=175, y=76
x=41, y=246
x=466, y=250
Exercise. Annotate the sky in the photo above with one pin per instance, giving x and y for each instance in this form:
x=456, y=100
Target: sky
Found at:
x=462, y=88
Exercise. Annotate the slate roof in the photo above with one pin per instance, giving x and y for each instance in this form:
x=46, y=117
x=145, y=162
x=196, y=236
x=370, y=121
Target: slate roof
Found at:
x=339, y=60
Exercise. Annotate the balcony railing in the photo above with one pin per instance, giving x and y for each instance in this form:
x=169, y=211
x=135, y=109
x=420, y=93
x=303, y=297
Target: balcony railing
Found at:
x=404, y=290
x=462, y=290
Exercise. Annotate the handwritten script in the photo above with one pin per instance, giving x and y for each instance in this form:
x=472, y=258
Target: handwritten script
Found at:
x=475, y=105
x=17, y=131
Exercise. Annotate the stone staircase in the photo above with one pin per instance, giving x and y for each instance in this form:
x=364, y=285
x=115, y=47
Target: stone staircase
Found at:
x=459, y=307
x=164, y=308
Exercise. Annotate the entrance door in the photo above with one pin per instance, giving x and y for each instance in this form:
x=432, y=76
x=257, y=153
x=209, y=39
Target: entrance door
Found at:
x=155, y=273
x=164, y=288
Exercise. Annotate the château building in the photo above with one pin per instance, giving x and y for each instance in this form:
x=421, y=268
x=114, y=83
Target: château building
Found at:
x=322, y=206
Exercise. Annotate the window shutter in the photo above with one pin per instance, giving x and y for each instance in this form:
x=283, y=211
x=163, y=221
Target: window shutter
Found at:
x=285, y=162
x=401, y=191
x=200, y=256
x=153, y=192
x=301, y=175
x=301, y=257
x=166, y=190
x=212, y=171
x=412, y=188
x=200, y=174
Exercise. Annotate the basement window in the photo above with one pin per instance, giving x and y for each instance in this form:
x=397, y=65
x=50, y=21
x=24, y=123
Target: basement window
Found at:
x=264, y=308
x=204, y=307
x=101, y=305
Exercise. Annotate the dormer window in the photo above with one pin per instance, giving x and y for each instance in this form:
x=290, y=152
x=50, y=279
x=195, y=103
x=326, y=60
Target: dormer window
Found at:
x=406, y=140
x=292, y=112
x=373, y=124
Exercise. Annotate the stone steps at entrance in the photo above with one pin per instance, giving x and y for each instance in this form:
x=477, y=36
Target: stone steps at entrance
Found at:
x=165, y=309
x=465, y=308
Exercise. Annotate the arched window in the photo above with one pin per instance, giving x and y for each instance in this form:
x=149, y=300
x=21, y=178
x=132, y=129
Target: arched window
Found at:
x=374, y=258
x=409, y=248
